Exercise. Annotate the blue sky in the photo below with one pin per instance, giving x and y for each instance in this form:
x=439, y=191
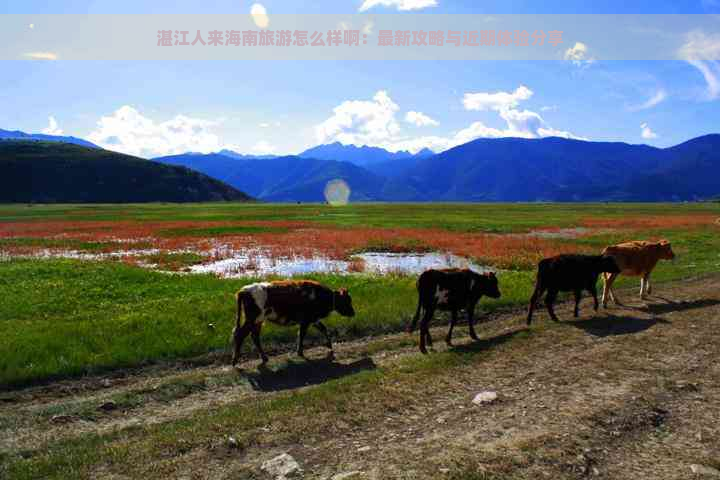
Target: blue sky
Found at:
x=162, y=107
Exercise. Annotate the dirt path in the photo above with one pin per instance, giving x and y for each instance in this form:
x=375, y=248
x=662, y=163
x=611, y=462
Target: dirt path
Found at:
x=631, y=392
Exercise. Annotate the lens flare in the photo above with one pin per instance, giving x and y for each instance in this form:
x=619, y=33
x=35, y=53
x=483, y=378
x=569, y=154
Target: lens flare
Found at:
x=337, y=192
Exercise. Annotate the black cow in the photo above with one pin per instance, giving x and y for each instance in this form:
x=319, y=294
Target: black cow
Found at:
x=451, y=290
x=302, y=302
x=569, y=273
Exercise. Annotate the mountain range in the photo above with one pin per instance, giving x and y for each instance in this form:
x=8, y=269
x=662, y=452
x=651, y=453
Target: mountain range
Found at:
x=50, y=172
x=499, y=169
x=6, y=135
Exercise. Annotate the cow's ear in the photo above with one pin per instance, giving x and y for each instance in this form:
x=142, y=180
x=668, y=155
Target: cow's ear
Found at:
x=343, y=291
x=664, y=242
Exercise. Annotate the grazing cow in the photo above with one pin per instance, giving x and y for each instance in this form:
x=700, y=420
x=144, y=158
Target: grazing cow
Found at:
x=635, y=259
x=451, y=290
x=569, y=273
x=302, y=302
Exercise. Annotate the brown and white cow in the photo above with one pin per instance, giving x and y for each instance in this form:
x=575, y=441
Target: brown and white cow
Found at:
x=635, y=259
x=450, y=289
x=289, y=302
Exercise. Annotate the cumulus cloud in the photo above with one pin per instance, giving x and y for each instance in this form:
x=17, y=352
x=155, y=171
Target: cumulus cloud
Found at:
x=496, y=100
x=579, y=55
x=264, y=148
x=361, y=121
x=646, y=132
x=658, y=97
x=373, y=123
x=259, y=15
x=419, y=119
x=126, y=130
x=401, y=5
x=52, y=128
x=702, y=51
x=41, y=55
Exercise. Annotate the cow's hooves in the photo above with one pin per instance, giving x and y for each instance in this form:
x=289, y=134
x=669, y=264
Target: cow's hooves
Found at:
x=475, y=338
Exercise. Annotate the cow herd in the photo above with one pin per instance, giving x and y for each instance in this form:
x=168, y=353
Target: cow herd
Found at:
x=306, y=302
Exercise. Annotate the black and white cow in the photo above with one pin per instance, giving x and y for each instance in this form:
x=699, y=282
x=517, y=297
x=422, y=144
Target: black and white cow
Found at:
x=302, y=302
x=450, y=289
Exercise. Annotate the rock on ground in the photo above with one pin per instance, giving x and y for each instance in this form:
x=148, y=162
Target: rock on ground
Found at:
x=485, y=397
x=281, y=467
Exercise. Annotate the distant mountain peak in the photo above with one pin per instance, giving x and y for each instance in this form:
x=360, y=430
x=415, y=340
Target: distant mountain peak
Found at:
x=19, y=135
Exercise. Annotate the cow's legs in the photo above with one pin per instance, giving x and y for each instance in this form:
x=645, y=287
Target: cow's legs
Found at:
x=539, y=290
x=642, y=288
x=608, y=289
x=324, y=331
x=239, y=337
x=549, y=301
x=578, y=296
x=648, y=287
x=304, y=324
x=593, y=292
x=453, y=320
x=471, y=321
x=256, y=340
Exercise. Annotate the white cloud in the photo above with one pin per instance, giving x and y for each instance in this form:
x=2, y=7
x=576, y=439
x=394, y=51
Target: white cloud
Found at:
x=374, y=123
x=52, y=128
x=259, y=15
x=126, y=130
x=399, y=4
x=702, y=51
x=42, y=55
x=361, y=122
x=419, y=119
x=579, y=55
x=497, y=100
x=549, y=108
x=264, y=125
x=646, y=132
x=263, y=148
x=658, y=97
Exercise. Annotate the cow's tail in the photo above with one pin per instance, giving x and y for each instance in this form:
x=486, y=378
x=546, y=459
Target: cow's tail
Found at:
x=239, y=301
x=238, y=314
x=411, y=326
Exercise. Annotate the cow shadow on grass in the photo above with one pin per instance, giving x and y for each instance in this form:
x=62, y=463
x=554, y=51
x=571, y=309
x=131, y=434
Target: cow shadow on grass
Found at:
x=612, y=325
x=299, y=373
x=671, y=306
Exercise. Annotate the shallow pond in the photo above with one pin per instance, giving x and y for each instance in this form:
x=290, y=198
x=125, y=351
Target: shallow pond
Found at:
x=256, y=264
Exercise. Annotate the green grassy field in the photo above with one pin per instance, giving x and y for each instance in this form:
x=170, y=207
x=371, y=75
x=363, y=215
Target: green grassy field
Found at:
x=450, y=216
x=61, y=318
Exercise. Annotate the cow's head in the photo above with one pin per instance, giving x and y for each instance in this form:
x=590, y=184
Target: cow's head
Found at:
x=488, y=282
x=665, y=250
x=608, y=264
x=343, y=303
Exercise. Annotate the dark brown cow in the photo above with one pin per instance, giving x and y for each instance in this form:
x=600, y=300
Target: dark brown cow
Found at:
x=569, y=273
x=301, y=302
x=450, y=289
